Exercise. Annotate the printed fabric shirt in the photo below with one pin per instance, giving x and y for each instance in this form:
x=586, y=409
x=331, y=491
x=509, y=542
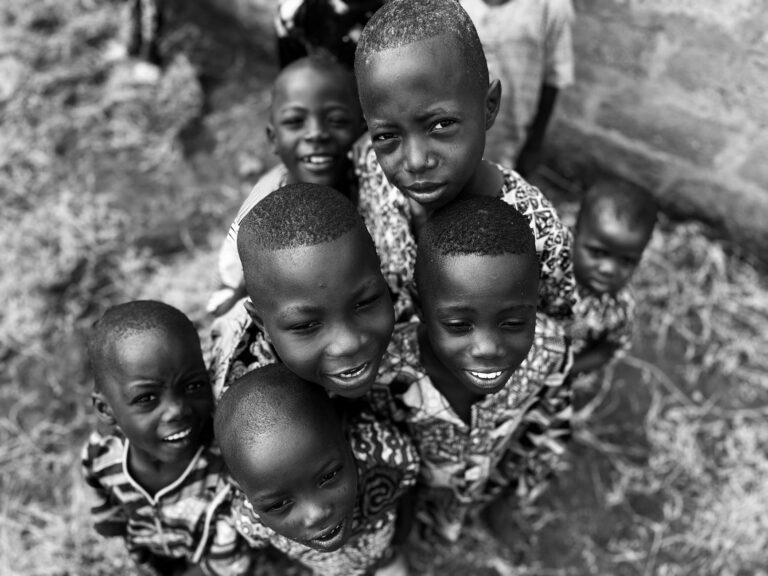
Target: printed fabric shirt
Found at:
x=528, y=44
x=515, y=437
x=190, y=519
x=387, y=468
x=388, y=217
x=305, y=26
x=608, y=317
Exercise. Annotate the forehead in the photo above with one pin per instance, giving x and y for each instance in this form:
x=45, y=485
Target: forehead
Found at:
x=506, y=276
x=619, y=235
x=312, y=82
x=333, y=267
x=434, y=64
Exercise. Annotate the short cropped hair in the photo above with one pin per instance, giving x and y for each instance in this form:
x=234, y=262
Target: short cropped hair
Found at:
x=296, y=215
x=402, y=22
x=479, y=225
x=320, y=62
x=268, y=398
x=127, y=319
x=623, y=201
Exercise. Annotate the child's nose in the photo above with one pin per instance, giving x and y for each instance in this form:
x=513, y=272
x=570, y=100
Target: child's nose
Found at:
x=316, y=129
x=175, y=408
x=346, y=340
x=417, y=158
x=316, y=514
x=485, y=346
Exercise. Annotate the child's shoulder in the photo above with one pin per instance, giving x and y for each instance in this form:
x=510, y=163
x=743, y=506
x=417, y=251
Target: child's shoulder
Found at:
x=521, y=194
x=103, y=453
x=550, y=354
x=276, y=177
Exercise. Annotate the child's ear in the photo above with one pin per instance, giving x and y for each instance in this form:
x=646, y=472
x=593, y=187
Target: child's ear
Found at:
x=256, y=317
x=103, y=409
x=492, y=103
x=272, y=138
x=417, y=305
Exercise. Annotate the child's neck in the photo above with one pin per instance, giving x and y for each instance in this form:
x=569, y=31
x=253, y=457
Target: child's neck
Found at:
x=153, y=475
x=460, y=399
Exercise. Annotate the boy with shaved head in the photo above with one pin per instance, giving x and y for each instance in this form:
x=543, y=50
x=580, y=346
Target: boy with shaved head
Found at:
x=158, y=481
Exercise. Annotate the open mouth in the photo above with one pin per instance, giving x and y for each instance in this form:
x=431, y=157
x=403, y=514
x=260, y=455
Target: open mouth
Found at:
x=486, y=375
x=318, y=160
x=488, y=379
x=352, y=372
x=331, y=534
x=178, y=436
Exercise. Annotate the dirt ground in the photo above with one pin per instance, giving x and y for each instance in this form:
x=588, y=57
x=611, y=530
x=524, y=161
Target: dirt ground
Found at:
x=116, y=187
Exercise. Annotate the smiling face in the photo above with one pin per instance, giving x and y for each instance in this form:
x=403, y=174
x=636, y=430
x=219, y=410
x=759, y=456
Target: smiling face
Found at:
x=327, y=311
x=159, y=394
x=480, y=316
x=301, y=480
x=427, y=119
x=315, y=119
x=606, y=252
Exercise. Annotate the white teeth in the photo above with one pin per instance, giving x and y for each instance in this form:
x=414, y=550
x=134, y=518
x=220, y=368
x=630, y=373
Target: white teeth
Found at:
x=352, y=373
x=318, y=159
x=486, y=375
x=178, y=435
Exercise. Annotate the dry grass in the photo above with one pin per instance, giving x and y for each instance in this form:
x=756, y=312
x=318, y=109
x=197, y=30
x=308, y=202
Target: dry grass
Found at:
x=103, y=201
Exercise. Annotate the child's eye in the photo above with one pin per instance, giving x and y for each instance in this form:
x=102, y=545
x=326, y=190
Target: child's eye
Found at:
x=443, y=124
x=196, y=386
x=292, y=121
x=144, y=399
x=339, y=120
x=514, y=323
x=304, y=326
x=329, y=476
x=383, y=137
x=598, y=252
x=367, y=302
x=277, y=506
x=457, y=326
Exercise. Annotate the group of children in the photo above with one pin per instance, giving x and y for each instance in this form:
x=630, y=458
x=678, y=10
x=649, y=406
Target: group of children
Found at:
x=396, y=335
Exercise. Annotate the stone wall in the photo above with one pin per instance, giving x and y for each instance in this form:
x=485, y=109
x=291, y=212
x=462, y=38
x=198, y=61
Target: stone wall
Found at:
x=673, y=95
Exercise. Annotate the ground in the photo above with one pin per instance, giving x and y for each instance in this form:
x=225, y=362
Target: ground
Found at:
x=117, y=185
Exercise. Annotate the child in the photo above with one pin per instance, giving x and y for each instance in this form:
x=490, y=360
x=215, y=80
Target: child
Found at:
x=613, y=228
x=315, y=117
x=426, y=96
x=528, y=46
x=318, y=300
x=318, y=485
x=159, y=480
x=309, y=26
x=480, y=381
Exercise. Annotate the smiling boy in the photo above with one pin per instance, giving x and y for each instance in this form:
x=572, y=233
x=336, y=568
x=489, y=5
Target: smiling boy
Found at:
x=319, y=485
x=478, y=368
x=314, y=119
x=428, y=102
x=317, y=299
x=158, y=481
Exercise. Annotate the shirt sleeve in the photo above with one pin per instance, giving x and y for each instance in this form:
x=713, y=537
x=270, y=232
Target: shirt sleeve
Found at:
x=558, y=65
x=545, y=428
x=554, y=246
x=229, y=553
x=109, y=518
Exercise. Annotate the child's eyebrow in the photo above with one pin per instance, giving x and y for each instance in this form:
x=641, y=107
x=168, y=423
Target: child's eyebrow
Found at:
x=455, y=308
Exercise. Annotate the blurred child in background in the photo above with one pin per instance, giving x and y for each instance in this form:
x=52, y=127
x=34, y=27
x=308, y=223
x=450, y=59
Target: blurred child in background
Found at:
x=614, y=225
x=528, y=47
x=320, y=485
x=306, y=27
x=480, y=380
x=314, y=119
x=428, y=102
x=159, y=481
x=317, y=299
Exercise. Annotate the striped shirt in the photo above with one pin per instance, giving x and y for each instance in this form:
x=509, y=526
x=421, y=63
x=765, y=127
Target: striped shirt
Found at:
x=188, y=520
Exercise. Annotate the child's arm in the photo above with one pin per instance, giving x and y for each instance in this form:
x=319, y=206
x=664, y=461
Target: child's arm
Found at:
x=530, y=154
x=109, y=518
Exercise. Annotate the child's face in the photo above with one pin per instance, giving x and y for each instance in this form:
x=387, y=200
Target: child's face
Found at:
x=302, y=483
x=159, y=394
x=606, y=252
x=480, y=316
x=327, y=311
x=427, y=120
x=315, y=119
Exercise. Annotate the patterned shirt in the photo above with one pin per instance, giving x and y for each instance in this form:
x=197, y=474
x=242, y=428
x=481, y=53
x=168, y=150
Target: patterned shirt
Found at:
x=527, y=44
x=514, y=435
x=608, y=317
x=189, y=519
x=388, y=217
x=387, y=467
